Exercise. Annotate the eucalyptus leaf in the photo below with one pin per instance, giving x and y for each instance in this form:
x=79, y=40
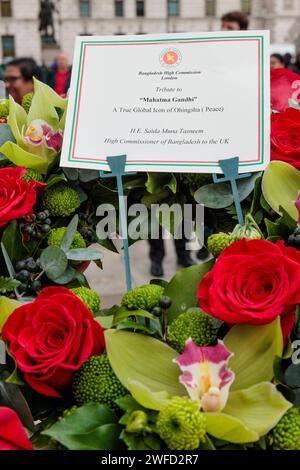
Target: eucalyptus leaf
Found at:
x=88, y=175
x=67, y=276
x=82, y=194
x=185, y=298
x=71, y=173
x=292, y=376
x=6, y=134
x=54, y=262
x=219, y=195
x=69, y=234
x=84, y=254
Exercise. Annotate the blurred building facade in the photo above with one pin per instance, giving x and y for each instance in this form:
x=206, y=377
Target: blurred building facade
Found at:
x=19, y=21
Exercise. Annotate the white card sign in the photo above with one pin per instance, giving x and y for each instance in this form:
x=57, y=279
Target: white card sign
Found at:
x=171, y=103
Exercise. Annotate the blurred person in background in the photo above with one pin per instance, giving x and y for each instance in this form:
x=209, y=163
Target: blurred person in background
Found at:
x=296, y=65
x=18, y=77
x=287, y=59
x=234, y=21
x=277, y=61
x=59, y=76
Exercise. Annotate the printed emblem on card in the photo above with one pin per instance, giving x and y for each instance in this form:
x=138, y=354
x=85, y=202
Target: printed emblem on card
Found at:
x=170, y=57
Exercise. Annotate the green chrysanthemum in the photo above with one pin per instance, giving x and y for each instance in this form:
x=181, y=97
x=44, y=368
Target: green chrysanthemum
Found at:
x=4, y=109
x=56, y=235
x=217, y=242
x=26, y=101
x=286, y=434
x=33, y=175
x=89, y=297
x=61, y=201
x=196, y=325
x=194, y=181
x=181, y=425
x=96, y=382
x=144, y=297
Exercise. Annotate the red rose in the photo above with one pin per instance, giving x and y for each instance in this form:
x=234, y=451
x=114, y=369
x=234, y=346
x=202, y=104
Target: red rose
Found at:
x=253, y=281
x=17, y=197
x=285, y=85
x=12, y=433
x=51, y=338
x=285, y=137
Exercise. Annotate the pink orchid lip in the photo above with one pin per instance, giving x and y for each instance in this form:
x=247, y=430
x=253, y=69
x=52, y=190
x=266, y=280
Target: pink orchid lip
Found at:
x=193, y=353
x=40, y=132
x=205, y=374
x=54, y=140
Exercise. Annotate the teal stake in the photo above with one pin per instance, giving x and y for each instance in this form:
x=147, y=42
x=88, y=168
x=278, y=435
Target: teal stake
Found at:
x=230, y=170
x=117, y=166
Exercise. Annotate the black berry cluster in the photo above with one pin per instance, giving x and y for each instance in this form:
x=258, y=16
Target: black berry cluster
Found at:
x=86, y=228
x=27, y=271
x=294, y=239
x=36, y=226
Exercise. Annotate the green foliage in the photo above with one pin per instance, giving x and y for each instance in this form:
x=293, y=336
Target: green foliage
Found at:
x=280, y=186
x=196, y=325
x=33, y=175
x=61, y=200
x=96, y=382
x=139, y=433
x=89, y=297
x=217, y=242
x=144, y=297
x=8, y=284
x=181, y=425
x=219, y=195
x=4, y=109
x=286, y=434
x=54, y=262
x=27, y=101
x=90, y=427
x=56, y=235
x=194, y=181
x=185, y=297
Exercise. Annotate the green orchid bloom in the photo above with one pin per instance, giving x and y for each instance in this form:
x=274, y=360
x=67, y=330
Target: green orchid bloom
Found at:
x=38, y=134
x=240, y=408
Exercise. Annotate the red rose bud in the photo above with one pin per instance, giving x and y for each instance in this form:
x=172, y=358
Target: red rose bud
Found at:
x=12, y=433
x=51, y=338
x=253, y=282
x=3, y=121
x=17, y=197
x=285, y=137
